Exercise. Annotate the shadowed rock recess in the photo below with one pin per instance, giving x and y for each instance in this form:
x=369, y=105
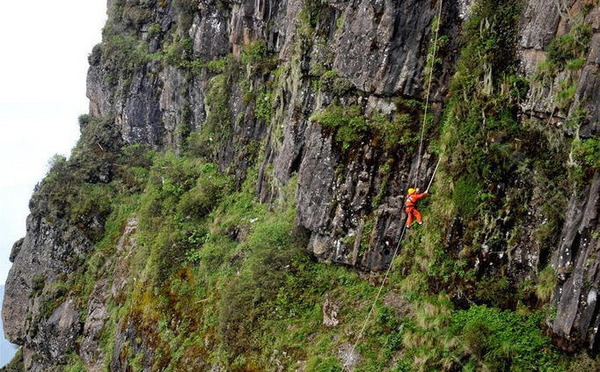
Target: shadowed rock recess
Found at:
x=235, y=197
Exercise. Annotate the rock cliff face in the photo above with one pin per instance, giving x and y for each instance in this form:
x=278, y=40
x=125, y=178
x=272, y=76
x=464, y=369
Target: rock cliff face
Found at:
x=270, y=90
x=388, y=62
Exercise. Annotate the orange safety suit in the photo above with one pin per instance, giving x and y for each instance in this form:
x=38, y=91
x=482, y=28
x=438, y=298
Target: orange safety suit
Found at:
x=410, y=208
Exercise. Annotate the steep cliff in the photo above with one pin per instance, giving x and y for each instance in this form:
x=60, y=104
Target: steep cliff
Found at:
x=237, y=191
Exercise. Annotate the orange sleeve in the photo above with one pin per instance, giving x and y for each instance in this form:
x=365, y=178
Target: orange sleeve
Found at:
x=419, y=196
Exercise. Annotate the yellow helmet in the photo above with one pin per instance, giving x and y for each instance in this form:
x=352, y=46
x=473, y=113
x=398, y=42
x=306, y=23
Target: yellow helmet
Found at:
x=411, y=191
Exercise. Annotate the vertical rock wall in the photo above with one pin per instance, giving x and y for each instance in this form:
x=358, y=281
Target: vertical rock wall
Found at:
x=574, y=257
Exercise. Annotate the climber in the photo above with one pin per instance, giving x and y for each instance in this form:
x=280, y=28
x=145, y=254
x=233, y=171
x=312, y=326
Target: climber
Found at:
x=410, y=207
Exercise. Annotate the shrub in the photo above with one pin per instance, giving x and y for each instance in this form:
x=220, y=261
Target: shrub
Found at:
x=587, y=152
x=576, y=64
x=75, y=364
x=264, y=106
x=254, y=52
x=122, y=54
x=37, y=283
x=565, y=95
x=333, y=83
x=272, y=284
x=504, y=340
x=204, y=196
x=466, y=196
x=569, y=46
x=349, y=123
x=207, y=140
x=393, y=132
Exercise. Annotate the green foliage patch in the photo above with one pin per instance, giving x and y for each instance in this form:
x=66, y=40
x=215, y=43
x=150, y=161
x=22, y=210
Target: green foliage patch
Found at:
x=207, y=140
x=503, y=340
x=570, y=46
x=216, y=266
x=587, y=151
x=351, y=126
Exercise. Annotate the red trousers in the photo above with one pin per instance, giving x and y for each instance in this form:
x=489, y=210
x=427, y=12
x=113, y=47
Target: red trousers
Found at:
x=412, y=213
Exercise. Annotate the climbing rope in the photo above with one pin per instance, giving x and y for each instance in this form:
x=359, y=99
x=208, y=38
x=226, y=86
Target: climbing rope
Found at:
x=348, y=363
x=433, y=174
x=387, y=273
x=428, y=90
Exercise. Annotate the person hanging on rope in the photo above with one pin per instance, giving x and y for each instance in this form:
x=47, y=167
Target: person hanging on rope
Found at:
x=410, y=207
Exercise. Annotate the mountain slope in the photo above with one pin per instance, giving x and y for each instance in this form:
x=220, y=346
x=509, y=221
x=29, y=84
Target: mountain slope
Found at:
x=235, y=198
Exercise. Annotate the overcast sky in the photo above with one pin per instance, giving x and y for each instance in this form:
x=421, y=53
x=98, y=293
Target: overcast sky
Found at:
x=45, y=45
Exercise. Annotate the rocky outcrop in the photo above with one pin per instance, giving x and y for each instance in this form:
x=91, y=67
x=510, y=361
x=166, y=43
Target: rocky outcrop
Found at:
x=47, y=252
x=574, y=257
x=38, y=313
x=578, y=269
x=394, y=38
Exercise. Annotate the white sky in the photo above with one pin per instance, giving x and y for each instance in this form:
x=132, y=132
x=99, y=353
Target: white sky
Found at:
x=43, y=66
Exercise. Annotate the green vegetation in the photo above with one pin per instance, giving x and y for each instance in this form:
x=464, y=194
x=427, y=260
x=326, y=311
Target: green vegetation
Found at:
x=217, y=266
x=349, y=122
x=546, y=284
x=565, y=53
x=587, y=151
x=503, y=341
x=351, y=126
x=331, y=82
x=570, y=46
x=211, y=277
x=217, y=129
x=219, y=277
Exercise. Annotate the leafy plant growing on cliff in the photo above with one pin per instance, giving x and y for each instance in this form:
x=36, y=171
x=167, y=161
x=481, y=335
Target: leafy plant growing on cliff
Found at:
x=350, y=126
x=570, y=46
x=208, y=140
x=588, y=152
x=349, y=123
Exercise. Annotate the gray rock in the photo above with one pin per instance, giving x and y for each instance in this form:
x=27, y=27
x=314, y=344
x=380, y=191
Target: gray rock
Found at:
x=539, y=24
x=16, y=249
x=392, y=42
x=45, y=254
x=575, y=261
x=588, y=95
x=142, y=116
x=330, y=313
x=348, y=356
x=210, y=31
x=97, y=314
x=315, y=181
